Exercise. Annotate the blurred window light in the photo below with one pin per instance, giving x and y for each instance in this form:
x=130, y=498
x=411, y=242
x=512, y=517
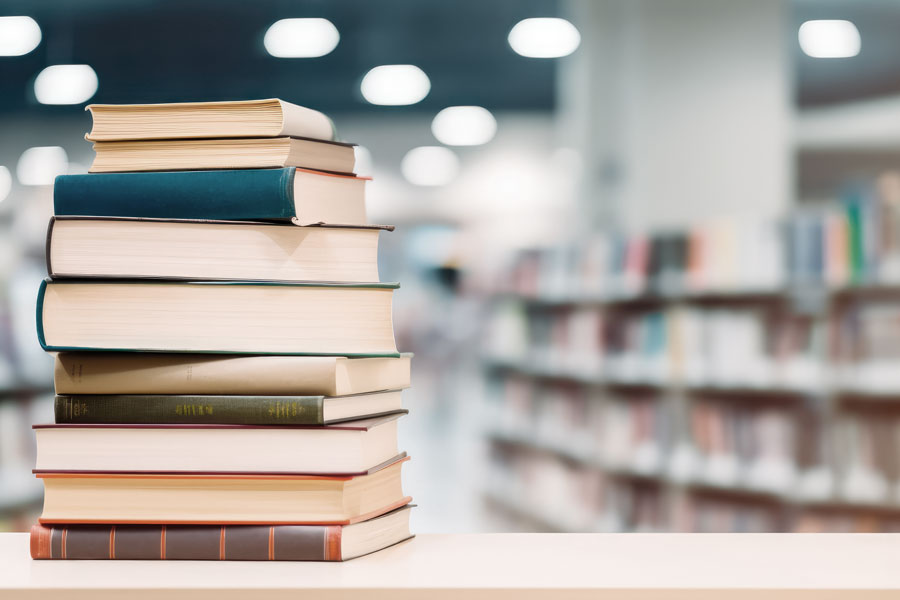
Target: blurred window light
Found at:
x=5, y=183
x=301, y=38
x=395, y=85
x=544, y=38
x=430, y=166
x=18, y=35
x=829, y=39
x=40, y=165
x=65, y=84
x=464, y=126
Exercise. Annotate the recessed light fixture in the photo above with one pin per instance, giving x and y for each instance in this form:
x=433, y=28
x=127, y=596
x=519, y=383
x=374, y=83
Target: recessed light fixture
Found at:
x=550, y=37
x=829, y=39
x=40, y=165
x=18, y=35
x=5, y=182
x=430, y=166
x=65, y=84
x=395, y=85
x=464, y=126
x=301, y=38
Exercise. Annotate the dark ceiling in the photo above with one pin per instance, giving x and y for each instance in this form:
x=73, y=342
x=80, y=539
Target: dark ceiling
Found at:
x=168, y=50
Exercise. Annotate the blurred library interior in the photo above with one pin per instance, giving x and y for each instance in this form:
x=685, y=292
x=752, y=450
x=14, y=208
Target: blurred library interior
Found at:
x=650, y=249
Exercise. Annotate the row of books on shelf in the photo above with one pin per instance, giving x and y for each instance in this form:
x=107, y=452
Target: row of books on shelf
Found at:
x=773, y=448
x=854, y=240
x=552, y=493
x=560, y=495
x=699, y=346
x=715, y=256
x=227, y=389
x=741, y=347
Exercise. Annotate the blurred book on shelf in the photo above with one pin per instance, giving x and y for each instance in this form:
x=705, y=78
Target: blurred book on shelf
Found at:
x=869, y=346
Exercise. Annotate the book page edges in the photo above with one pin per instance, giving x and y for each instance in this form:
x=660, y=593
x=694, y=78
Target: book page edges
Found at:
x=305, y=122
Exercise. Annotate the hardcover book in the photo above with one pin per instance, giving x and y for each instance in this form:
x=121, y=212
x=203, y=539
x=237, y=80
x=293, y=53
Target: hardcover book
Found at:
x=216, y=499
x=157, y=373
x=235, y=317
x=352, y=447
x=227, y=410
x=301, y=196
x=243, y=118
x=220, y=542
x=126, y=248
x=232, y=153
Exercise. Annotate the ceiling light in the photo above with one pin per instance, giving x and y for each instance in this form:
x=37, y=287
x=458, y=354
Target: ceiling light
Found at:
x=65, y=84
x=829, y=39
x=464, y=126
x=544, y=38
x=430, y=165
x=301, y=38
x=40, y=165
x=5, y=183
x=18, y=35
x=395, y=85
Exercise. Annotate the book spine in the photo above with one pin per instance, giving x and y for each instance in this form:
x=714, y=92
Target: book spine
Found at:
x=39, y=314
x=220, y=195
x=186, y=542
x=132, y=373
x=227, y=410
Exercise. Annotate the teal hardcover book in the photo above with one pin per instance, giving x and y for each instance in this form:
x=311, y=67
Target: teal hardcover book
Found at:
x=289, y=194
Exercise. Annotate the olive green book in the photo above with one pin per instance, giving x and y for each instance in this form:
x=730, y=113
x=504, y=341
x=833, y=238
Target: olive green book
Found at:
x=224, y=410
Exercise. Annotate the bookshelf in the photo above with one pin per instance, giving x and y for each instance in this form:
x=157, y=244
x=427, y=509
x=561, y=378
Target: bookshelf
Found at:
x=677, y=383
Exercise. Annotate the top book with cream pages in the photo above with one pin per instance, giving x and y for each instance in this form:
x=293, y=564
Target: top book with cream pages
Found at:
x=202, y=120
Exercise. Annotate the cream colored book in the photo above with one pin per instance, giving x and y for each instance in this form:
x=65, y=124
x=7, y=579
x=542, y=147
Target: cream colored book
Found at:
x=155, y=373
x=254, y=317
x=210, y=250
x=205, y=498
x=345, y=448
x=243, y=118
x=229, y=153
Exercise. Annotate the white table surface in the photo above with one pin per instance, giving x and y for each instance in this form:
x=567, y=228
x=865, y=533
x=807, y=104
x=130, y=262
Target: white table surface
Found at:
x=509, y=566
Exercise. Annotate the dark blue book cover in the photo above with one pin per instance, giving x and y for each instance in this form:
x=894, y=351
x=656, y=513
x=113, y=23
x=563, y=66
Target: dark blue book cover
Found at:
x=247, y=194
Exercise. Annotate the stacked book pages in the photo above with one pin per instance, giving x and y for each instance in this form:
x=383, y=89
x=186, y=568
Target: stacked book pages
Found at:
x=228, y=386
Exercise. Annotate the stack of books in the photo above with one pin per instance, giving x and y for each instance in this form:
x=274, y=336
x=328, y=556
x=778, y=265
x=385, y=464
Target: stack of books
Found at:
x=228, y=385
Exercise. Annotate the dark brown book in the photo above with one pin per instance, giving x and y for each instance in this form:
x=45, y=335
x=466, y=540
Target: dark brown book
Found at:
x=220, y=542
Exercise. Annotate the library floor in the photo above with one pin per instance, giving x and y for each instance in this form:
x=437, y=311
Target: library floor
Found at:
x=520, y=566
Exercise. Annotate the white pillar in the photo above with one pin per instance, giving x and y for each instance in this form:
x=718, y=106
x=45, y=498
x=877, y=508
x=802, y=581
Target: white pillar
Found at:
x=681, y=110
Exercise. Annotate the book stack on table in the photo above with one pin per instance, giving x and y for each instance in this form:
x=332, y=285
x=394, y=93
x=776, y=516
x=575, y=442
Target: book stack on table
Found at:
x=228, y=385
